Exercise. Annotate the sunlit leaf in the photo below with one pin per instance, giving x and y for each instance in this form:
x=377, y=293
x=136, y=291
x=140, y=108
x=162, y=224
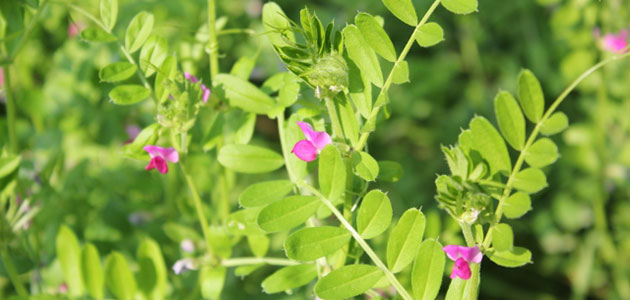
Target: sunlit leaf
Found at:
x=138, y=31
x=405, y=239
x=347, y=282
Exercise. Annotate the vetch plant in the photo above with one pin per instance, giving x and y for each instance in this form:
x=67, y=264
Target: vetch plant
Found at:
x=316, y=220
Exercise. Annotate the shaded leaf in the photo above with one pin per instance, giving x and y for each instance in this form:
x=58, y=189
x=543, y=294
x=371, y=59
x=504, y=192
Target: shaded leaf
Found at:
x=311, y=243
x=347, y=281
x=117, y=71
x=289, y=278
x=362, y=55
x=263, y=193
x=249, y=159
x=129, y=94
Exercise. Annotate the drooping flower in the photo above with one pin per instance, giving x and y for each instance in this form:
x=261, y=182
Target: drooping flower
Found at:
x=74, y=29
x=159, y=156
x=315, y=141
x=616, y=43
x=462, y=256
x=183, y=265
x=206, y=91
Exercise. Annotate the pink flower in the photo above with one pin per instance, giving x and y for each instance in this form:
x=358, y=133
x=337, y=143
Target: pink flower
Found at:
x=462, y=257
x=75, y=29
x=206, y=91
x=187, y=245
x=159, y=156
x=63, y=288
x=1, y=76
x=616, y=43
x=315, y=141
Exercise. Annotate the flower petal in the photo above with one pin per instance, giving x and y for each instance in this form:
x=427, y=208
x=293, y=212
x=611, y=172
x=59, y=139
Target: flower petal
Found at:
x=452, y=251
x=158, y=163
x=190, y=77
x=307, y=129
x=169, y=154
x=321, y=139
x=305, y=150
x=471, y=254
x=461, y=269
x=206, y=93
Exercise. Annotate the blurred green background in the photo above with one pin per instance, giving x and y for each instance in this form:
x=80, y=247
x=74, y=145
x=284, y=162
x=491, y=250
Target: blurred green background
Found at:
x=71, y=136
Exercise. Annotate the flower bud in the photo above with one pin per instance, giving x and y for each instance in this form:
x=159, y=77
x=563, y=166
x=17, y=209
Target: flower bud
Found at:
x=329, y=74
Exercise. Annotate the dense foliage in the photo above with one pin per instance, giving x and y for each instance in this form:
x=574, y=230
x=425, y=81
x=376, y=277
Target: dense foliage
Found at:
x=246, y=149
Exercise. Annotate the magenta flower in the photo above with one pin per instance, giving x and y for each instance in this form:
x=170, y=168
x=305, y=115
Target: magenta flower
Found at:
x=315, y=141
x=1, y=76
x=616, y=43
x=462, y=257
x=159, y=156
x=206, y=91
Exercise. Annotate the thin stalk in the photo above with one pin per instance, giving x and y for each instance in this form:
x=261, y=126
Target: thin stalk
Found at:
x=27, y=31
x=126, y=53
x=243, y=261
x=368, y=250
x=532, y=138
x=199, y=208
x=334, y=117
x=11, y=119
x=13, y=274
x=214, y=45
x=412, y=39
x=283, y=145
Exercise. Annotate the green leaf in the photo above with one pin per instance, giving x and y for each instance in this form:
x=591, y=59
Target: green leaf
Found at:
x=243, y=222
x=510, y=119
x=289, y=278
x=263, y=193
x=374, y=34
x=153, y=54
x=428, y=269
x=119, y=278
x=530, y=180
x=401, y=73
x=92, y=271
x=360, y=90
x=375, y=214
x=530, y=96
x=311, y=243
x=69, y=254
x=287, y=213
x=9, y=164
x=460, y=6
x=148, y=136
x=152, y=277
x=211, y=280
x=517, y=257
x=490, y=144
x=167, y=72
x=244, y=95
x=249, y=159
x=259, y=244
x=405, y=239
x=97, y=35
x=542, y=153
x=246, y=270
x=348, y=118
x=517, y=205
x=109, y=13
x=365, y=166
x=347, y=282
x=403, y=10
x=362, y=55
x=277, y=25
x=129, y=94
x=555, y=124
x=502, y=237
x=138, y=31
x=243, y=67
x=117, y=71
x=389, y=171
x=429, y=34
x=332, y=173
x=221, y=241
x=461, y=289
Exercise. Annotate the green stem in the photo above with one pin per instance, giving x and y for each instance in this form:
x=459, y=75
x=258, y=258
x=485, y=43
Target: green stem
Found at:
x=521, y=158
x=364, y=137
x=242, y=261
x=27, y=31
x=11, y=119
x=283, y=145
x=199, y=208
x=126, y=53
x=368, y=250
x=334, y=117
x=214, y=45
x=13, y=274
x=468, y=235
